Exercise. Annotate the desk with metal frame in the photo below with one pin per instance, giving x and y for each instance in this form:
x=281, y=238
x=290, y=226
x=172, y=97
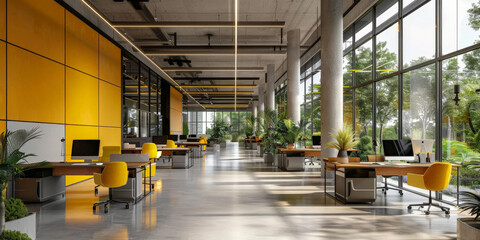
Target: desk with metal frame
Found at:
x=193, y=145
x=79, y=168
x=170, y=151
x=384, y=169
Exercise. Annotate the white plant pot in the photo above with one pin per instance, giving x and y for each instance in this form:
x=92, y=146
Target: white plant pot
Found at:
x=216, y=147
x=26, y=225
x=468, y=229
x=228, y=141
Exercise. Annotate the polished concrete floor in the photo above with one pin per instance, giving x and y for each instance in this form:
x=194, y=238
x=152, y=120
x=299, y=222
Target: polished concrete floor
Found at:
x=231, y=194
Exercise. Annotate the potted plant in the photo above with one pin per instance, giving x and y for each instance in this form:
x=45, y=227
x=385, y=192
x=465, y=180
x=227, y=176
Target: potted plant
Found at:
x=219, y=130
x=11, y=160
x=469, y=228
x=292, y=133
x=269, y=135
x=18, y=219
x=344, y=140
x=228, y=138
x=185, y=129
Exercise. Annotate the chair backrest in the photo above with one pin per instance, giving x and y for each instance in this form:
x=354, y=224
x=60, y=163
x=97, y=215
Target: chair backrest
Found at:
x=109, y=150
x=376, y=158
x=129, y=157
x=437, y=177
x=115, y=174
x=171, y=144
x=150, y=149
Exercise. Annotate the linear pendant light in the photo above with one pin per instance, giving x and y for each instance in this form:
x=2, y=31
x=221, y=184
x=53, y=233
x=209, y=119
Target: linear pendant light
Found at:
x=236, y=51
x=138, y=49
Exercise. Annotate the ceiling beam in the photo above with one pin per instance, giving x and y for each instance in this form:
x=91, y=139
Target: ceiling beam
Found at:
x=200, y=24
x=218, y=78
x=213, y=50
x=221, y=93
x=212, y=69
x=218, y=86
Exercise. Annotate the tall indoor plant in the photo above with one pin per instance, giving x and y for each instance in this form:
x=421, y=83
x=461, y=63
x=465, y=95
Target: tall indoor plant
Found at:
x=344, y=140
x=292, y=133
x=11, y=160
x=269, y=135
x=219, y=130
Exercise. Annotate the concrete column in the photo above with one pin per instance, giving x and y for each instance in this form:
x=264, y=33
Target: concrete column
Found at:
x=261, y=97
x=255, y=113
x=270, y=93
x=293, y=75
x=332, y=78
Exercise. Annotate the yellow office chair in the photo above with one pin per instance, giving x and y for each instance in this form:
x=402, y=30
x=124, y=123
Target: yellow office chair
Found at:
x=203, y=140
x=152, y=151
x=385, y=188
x=114, y=175
x=436, y=178
x=171, y=144
x=107, y=151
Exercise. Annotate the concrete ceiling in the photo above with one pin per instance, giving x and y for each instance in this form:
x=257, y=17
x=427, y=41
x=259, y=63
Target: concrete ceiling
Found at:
x=302, y=14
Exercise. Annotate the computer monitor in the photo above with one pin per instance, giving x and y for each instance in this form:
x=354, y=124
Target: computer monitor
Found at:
x=192, y=135
x=160, y=139
x=183, y=137
x=316, y=140
x=173, y=137
x=87, y=150
x=422, y=146
x=398, y=149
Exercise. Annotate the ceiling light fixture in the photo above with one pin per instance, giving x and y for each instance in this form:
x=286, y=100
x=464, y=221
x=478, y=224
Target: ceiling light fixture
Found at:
x=135, y=48
x=236, y=50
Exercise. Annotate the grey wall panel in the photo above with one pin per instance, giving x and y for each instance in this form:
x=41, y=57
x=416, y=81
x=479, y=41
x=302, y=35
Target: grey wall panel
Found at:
x=47, y=147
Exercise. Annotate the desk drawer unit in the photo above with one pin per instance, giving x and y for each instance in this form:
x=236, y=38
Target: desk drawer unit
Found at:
x=354, y=185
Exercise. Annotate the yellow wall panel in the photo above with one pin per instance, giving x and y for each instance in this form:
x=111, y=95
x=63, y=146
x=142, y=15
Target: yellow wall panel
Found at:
x=3, y=21
x=3, y=80
x=109, y=137
x=82, y=98
x=77, y=132
x=110, y=105
x=82, y=46
x=38, y=26
x=3, y=126
x=35, y=87
x=175, y=111
x=110, y=62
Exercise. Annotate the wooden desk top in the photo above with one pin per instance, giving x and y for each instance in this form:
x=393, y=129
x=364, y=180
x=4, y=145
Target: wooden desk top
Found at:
x=296, y=150
x=78, y=168
x=191, y=143
x=89, y=165
x=388, y=169
x=174, y=149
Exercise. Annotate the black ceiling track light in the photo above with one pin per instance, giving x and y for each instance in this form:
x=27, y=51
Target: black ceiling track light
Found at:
x=171, y=61
x=135, y=3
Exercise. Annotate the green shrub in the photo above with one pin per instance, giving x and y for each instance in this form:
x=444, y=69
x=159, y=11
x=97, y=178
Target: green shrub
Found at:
x=234, y=137
x=241, y=138
x=15, y=209
x=14, y=235
x=228, y=137
x=364, y=147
